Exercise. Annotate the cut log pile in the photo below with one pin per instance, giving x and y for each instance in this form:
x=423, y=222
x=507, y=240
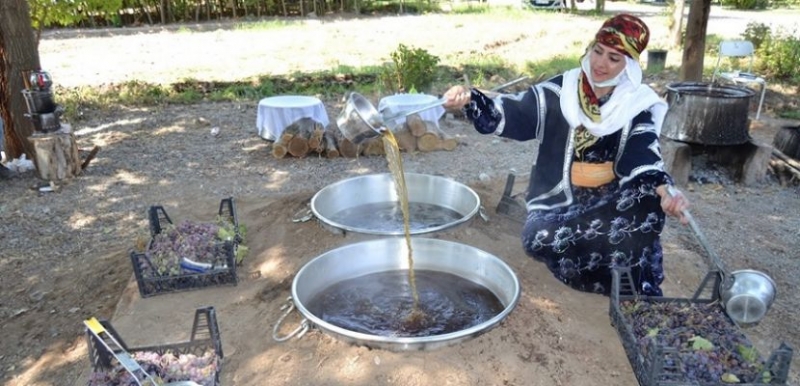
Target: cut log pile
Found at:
x=306, y=137
x=785, y=154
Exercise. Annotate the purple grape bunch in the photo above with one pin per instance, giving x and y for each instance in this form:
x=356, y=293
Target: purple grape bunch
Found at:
x=710, y=348
x=168, y=367
x=190, y=240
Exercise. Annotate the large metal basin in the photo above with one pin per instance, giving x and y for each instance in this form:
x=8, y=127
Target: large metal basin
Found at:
x=387, y=254
x=459, y=201
x=707, y=113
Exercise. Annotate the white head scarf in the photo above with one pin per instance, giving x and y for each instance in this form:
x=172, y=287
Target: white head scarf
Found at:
x=629, y=98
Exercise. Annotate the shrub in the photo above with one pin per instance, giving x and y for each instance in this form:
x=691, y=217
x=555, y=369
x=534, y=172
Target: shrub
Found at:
x=756, y=33
x=778, y=53
x=411, y=69
x=746, y=4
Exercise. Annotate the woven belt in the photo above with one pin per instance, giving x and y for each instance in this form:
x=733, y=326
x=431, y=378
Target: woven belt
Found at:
x=589, y=175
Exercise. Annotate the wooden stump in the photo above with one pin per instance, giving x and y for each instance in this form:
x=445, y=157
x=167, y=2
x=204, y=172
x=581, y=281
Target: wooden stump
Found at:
x=405, y=140
x=330, y=149
x=56, y=157
x=435, y=139
x=347, y=148
x=298, y=146
x=416, y=125
x=787, y=141
x=374, y=146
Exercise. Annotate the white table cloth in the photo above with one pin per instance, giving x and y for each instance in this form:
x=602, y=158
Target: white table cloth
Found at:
x=277, y=112
x=394, y=104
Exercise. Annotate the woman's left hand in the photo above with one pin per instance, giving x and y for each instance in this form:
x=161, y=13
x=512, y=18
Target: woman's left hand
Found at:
x=673, y=203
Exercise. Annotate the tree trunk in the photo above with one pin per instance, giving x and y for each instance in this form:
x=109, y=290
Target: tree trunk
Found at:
x=696, y=26
x=677, y=23
x=18, y=53
x=600, y=6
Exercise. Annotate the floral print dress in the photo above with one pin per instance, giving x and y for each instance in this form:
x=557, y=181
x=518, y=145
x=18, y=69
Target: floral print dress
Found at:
x=614, y=225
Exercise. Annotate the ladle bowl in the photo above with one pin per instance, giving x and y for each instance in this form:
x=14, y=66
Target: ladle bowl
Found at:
x=749, y=296
x=746, y=294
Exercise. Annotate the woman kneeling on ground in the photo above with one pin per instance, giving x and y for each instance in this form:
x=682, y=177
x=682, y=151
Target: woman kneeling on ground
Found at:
x=598, y=192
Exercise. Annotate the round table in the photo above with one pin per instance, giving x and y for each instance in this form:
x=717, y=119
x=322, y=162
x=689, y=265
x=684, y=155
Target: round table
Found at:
x=394, y=104
x=277, y=112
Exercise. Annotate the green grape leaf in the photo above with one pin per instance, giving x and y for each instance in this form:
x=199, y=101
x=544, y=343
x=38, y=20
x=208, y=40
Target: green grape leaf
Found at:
x=241, y=253
x=225, y=234
x=748, y=353
x=700, y=343
x=730, y=378
x=653, y=332
x=242, y=232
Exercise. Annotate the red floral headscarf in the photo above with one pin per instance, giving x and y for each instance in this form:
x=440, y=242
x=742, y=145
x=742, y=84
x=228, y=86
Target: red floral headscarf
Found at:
x=625, y=33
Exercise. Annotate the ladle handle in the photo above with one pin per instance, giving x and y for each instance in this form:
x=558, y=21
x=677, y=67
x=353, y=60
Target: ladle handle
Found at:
x=511, y=83
x=715, y=260
x=406, y=113
x=442, y=101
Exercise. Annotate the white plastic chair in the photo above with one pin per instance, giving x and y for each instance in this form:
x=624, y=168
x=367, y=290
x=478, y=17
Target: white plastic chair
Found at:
x=738, y=49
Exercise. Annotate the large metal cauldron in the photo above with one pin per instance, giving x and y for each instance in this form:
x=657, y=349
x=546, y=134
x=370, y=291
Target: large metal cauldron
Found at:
x=707, y=113
x=388, y=254
x=370, y=191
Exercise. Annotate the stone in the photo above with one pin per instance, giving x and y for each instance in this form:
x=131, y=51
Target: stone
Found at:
x=756, y=164
x=677, y=158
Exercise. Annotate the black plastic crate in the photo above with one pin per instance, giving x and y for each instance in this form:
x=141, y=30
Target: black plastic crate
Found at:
x=660, y=365
x=205, y=337
x=150, y=285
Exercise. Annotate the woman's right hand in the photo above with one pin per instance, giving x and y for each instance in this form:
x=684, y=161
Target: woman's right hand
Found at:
x=456, y=98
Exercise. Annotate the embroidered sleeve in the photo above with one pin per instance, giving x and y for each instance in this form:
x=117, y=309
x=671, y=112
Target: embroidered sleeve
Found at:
x=482, y=112
x=640, y=161
x=514, y=116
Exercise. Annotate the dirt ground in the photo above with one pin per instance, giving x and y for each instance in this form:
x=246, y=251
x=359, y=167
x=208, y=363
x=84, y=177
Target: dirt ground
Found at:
x=64, y=254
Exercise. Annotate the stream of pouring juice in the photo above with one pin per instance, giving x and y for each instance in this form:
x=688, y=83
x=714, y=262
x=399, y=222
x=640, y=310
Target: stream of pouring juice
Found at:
x=395, y=161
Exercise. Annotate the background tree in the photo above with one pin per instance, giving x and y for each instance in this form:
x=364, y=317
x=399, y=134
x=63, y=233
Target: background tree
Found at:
x=18, y=52
x=693, y=52
x=676, y=23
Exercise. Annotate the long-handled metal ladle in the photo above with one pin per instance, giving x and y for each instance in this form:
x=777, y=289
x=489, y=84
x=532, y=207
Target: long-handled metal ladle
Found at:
x=745, y=294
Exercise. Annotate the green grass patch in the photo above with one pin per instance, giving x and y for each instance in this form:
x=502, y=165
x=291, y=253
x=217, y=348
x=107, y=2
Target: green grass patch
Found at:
x=265, y=25
x=552, y=67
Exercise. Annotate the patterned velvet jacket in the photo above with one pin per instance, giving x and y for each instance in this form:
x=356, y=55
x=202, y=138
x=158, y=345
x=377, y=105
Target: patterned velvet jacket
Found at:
x=535, y=114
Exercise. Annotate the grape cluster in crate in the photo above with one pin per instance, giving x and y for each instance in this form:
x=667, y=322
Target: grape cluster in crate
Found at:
x=689, y=341
x=199, y=359
x=168, y=367
x=191, y=254
x=709, y=348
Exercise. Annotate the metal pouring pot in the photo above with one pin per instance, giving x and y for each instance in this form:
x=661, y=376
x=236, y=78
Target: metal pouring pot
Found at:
x=746, y=294
x=360, y=120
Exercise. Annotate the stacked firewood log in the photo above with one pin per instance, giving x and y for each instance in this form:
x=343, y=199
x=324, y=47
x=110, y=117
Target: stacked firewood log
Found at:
x=785, y=155
x=306, y=137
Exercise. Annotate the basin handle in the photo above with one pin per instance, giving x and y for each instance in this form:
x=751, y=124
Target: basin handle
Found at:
x=482, y=213
x=299, y=331
x=303, y=215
